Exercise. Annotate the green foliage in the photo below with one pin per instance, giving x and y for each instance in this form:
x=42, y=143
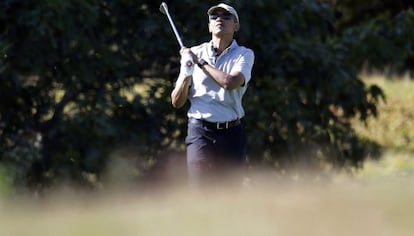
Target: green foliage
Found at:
x=354, y=12
x=306, y=88
x=69, y=72
x=379, y=33
x=63, y=66
x=393, y=129
x=4, y=184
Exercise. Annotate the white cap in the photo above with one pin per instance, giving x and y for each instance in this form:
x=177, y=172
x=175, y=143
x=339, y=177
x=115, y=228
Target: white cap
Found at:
x=225, y=7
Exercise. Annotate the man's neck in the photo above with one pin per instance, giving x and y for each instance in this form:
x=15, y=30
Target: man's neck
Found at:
x=221, y=44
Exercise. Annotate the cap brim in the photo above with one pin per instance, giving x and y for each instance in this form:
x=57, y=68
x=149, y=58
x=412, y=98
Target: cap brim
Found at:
x=211, y=10
x=224, y=7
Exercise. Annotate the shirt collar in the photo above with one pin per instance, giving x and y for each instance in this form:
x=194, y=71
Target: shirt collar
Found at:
x=213, y=51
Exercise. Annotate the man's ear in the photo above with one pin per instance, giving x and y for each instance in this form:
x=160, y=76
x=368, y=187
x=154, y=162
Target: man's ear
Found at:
x=236, y=27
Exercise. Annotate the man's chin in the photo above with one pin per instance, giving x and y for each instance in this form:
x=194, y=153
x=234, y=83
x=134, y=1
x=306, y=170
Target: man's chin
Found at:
x=219, y=33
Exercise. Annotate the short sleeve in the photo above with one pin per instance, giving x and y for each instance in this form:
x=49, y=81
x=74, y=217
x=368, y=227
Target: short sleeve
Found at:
x=245, y=64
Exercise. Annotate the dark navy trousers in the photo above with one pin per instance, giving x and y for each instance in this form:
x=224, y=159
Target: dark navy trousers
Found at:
x=214, y=154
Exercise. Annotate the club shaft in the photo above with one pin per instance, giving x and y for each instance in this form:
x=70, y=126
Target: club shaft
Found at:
x=177, y=35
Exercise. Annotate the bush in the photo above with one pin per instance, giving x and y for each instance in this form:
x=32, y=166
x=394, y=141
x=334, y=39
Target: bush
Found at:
x=70, y=72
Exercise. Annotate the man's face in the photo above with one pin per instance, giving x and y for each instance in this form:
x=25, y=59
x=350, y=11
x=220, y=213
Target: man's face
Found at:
x=222, y=22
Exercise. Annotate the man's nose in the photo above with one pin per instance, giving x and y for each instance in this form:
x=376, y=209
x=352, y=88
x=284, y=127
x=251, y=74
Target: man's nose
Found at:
x=219, y=18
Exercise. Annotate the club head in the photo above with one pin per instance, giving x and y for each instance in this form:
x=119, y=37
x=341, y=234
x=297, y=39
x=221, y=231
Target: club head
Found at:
x=163, y=8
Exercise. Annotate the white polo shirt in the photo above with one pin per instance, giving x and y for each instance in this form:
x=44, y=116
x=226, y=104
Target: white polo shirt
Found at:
x=208, y=100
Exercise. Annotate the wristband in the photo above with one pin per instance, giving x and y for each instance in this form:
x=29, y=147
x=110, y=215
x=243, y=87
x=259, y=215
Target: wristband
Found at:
x=201, y=63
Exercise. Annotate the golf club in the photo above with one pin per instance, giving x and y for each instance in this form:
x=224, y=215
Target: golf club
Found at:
x=164, y=10
x=189, y=64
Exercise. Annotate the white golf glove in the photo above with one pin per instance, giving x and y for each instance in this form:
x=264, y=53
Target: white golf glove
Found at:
x=187, y=64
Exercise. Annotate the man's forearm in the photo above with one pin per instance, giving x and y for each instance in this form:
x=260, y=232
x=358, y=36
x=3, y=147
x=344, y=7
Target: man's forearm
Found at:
x=180, y=92
x=226, y=81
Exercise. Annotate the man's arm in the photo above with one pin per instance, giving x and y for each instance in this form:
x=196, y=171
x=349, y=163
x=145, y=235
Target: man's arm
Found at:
x=239, y=75
x=180, y=92
x=225, y=80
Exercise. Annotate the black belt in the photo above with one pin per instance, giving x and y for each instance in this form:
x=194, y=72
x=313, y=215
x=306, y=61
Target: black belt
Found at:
x=216, y=125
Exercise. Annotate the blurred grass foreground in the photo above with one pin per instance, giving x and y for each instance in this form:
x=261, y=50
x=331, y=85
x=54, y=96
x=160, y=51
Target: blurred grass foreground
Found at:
x=342, y=207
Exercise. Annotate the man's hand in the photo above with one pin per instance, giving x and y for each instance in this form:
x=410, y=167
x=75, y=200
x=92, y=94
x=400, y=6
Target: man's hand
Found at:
x=187, y=61
x=185, y=50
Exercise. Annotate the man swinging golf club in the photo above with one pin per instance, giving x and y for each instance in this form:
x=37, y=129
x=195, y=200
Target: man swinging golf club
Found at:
x=216, y=139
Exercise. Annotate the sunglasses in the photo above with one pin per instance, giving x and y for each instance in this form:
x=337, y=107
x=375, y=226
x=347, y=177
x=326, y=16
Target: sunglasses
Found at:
x=224, y=16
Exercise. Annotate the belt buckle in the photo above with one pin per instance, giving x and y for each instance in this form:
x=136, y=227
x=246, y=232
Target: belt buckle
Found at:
x=225, y=127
